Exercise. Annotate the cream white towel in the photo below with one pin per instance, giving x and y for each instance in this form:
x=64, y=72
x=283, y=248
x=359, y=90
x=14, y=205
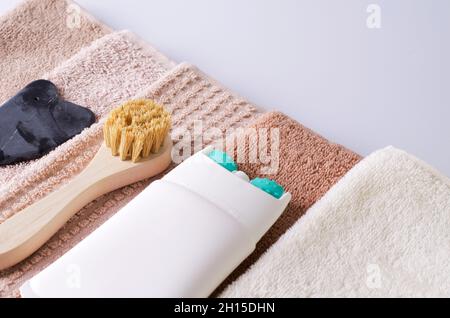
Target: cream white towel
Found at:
x=382, y=231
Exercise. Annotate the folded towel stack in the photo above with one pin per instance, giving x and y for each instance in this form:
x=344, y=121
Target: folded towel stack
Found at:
x=113, y=69
x=379, y=227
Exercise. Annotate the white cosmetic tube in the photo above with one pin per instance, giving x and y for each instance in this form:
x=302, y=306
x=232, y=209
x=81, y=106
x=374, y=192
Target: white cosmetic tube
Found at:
x=181, y=237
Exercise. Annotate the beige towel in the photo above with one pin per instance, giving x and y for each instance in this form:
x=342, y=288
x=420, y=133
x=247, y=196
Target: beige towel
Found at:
x=382, y=231
x=37, y=36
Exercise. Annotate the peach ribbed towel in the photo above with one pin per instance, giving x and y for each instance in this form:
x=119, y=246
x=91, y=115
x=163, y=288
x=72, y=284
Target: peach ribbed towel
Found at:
x=37, y=36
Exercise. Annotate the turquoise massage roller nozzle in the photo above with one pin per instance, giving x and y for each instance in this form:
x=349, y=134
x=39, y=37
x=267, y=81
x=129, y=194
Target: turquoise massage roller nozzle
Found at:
x=267, y=185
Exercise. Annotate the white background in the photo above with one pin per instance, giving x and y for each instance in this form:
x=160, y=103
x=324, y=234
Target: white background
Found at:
x=315, y=60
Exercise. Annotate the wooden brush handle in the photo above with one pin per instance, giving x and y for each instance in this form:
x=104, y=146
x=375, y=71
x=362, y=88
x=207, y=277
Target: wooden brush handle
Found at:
x=25, y=232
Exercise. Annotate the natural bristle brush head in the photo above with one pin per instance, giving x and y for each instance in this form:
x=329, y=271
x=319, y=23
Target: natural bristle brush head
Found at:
x=136, y=129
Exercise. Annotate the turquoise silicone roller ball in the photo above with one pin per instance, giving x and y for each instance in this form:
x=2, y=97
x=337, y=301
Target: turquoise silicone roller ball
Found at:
x=223, y=159
x=269, y=186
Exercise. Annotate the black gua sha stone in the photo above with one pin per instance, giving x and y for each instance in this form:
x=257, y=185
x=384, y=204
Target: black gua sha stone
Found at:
x=36, y=121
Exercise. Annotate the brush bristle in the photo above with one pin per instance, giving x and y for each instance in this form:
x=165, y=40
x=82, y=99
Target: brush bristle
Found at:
x=136, y=129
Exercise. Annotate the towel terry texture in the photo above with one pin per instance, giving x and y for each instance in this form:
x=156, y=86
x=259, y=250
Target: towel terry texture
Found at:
x=185, y=91
x=308, y=166
x=37, y=36
x=382, y=231
x=116, y=67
